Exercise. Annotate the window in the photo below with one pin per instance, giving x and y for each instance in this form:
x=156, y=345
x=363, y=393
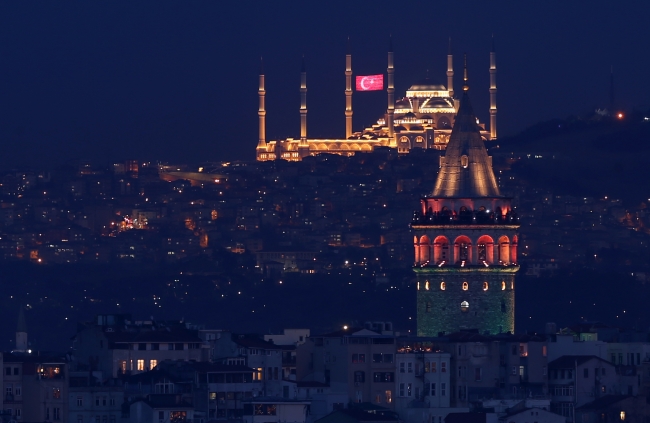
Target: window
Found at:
x=142, y=346
x=544, y=371
x=514, y=370
x=586, y=372
x=465, y=286
x=359, y=377
x=408, y=389
x=409, y=366
x=155, y=346
x=464, y=306
x=358, y=358
x=112, y=401
x=384, y=377
x=80, y=401
x=485, y=286
x=56, y=393
x=503, y=286
x=443, y=389
x=478, y=373
x=8, y=371
x=402, y=389
x=544, y=350
x=602, y=372
x=433, y=389
x=104, y=401
x=123, y=366
x=433, y=367
x=389, y=397
x=443, y=367
x=521, y=371
x=56, y=413
x=97, y=401
x=443, y=286
x=152, y=364
x=141, y=365
x=16, y=371
x=401, y=367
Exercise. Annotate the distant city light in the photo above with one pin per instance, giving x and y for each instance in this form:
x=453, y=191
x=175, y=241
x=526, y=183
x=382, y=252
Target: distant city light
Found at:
x=620, y=115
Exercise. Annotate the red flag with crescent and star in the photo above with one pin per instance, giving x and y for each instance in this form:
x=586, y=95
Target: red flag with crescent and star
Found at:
x=370, y=83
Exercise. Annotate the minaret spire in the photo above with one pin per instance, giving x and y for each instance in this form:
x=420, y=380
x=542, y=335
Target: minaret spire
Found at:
x=303, y=107
x=611, y=91
x=493, y=92
x=450, y=71
x=261, y=111
x=21, y=331
x=348, y=91
x=390, y=113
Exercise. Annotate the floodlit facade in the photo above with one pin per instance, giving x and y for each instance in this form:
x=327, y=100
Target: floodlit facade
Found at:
x=422, y=119
x=466, y=236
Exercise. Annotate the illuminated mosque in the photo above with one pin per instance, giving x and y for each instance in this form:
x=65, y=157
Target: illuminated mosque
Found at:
x=423, y=118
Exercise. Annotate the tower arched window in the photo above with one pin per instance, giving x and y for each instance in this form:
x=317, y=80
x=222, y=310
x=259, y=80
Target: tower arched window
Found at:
x=418, y=286
x=464, y=306
x=419, y=139
x=465, y=286
x=485, y=286
x=443, y=286
x=503, y=286
x=464, y=161
x=404, y=139
x=482, y=252
x=426, y=285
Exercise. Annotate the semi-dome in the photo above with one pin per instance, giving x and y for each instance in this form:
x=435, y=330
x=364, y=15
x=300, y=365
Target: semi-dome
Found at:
x=435, y=102
x=404, y=103
x=427, y=84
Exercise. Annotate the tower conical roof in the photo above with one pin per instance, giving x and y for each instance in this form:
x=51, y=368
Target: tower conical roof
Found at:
x=466, y=170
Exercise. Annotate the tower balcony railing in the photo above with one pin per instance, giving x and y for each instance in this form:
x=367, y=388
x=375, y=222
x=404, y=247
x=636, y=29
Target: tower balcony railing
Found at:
x=464, y=217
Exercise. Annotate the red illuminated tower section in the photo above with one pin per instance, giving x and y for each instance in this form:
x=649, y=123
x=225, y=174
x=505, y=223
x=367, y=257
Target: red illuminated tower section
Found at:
x=465, y=240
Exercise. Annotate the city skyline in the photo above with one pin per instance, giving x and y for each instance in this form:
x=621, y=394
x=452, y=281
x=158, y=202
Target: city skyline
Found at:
x=103, y=82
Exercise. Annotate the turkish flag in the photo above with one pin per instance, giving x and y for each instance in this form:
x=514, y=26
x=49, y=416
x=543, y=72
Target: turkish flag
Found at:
x=370, y=83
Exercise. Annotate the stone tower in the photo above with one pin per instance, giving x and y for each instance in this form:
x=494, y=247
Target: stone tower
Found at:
x=465, y=240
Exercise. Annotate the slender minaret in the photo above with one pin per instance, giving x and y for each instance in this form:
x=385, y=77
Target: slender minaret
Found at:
x=261, y=112
x=21, y=332
x=493, y=92
x=450, y=71
x=348, y=92
x=611, y=90
x=390, y=113
x=303, y=105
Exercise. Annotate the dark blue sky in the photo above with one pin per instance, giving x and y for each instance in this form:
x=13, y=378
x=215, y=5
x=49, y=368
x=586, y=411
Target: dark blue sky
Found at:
x=177, y=80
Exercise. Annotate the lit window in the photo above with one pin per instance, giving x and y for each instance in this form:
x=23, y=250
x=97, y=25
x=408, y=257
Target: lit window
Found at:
x=465, y=286
x=464, y=306
x=503, y=286
x=153, y=363
x=141, y=365
x=464, y=161
x=443, y=286
x=426, y=285
x=485, y=286
x=389, y=397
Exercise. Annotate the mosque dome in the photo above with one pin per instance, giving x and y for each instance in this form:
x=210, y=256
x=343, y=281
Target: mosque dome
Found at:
x=427, y=84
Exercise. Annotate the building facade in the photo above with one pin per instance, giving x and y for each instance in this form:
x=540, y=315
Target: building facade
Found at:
x=466, y=236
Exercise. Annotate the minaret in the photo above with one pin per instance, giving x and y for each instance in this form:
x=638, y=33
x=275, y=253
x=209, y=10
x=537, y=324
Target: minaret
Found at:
x=21, y=332
x=348, y=92
x=466, y=236
x=611, y=91
x=390, y=113
x=261, y=112
x=303, y=110
x=450, y=71
x=493, y=92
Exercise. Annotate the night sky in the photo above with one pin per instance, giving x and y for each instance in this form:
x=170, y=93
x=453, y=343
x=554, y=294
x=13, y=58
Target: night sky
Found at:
x=177, y=81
